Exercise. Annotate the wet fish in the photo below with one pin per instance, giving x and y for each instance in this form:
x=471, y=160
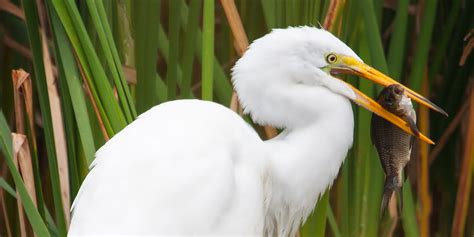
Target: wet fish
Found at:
x=393, y=144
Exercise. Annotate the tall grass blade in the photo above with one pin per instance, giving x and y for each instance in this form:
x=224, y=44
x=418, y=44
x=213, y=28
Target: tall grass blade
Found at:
x=109, y=110
x=466, y=176
x=121, y=84
x=163, y=47
x=316, y=224
x=409, y=221
x=207, y=75
x=53, y=229
x=145, y=14
x=290, y=17
x=324, y=9
x=316, y=10
x=422, y=46
x=330, y=15
x=57, y=115
x=174, y=28
x=222, y=87
x=22, y=160
x=269, y=13
x=373, y=36
x=280, y=14
x=36, y=45
x=241, y=42
x=21, y=152
x=333, y=223
x=23, y=86
x=71, y=141
x=70, y=78
x=343, y=211
x=397, y=42
x=446, y=37
x=124, y=35
x=99, y=18
x=7, y=148
x=424, y=196
x=5, y=186
x=189, y=47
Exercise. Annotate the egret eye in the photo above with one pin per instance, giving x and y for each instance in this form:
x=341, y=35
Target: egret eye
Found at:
x=331, y=58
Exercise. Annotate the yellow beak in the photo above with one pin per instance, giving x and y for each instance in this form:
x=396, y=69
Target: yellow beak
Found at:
x=364, y=70
x=356, y=67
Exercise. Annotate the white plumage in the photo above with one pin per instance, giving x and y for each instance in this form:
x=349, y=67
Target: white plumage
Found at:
x=195, y=167
x=182, y=167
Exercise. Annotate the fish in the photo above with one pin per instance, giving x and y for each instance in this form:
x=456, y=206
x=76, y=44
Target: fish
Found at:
x=393, y=145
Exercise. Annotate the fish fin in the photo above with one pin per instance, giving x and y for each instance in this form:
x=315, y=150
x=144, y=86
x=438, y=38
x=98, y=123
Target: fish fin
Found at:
x=412, y=124
x=387, y=194
x=412, y=142
x=400, y=200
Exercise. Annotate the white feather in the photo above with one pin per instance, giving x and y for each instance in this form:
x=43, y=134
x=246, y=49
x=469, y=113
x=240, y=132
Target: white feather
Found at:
x=170, y=173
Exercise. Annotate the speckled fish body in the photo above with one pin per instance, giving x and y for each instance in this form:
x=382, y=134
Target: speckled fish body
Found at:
x=393, y=144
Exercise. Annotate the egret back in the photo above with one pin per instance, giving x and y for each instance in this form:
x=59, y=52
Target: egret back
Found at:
x=183, y=167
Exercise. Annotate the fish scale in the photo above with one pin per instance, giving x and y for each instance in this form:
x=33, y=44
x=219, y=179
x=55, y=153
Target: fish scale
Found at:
x=393, y=144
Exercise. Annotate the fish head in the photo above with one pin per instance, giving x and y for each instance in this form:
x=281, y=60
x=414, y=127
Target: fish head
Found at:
x=390, y=98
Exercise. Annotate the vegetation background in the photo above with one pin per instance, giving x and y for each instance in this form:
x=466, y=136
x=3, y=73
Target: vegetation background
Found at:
x=91, y=66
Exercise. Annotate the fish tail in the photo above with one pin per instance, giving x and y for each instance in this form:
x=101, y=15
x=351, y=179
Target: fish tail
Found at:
x=392, y=184
x=387, y=194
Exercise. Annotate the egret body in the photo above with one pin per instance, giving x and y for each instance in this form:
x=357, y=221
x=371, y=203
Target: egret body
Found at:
x=195, y=167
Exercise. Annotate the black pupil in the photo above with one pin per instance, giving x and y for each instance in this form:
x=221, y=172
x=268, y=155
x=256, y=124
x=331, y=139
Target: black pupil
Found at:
x=332, y=58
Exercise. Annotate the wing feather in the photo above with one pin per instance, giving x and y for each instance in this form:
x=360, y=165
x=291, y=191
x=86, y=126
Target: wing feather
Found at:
x=181, y=168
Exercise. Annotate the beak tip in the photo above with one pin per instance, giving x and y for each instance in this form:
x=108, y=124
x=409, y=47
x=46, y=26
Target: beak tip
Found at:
x=426, y=139
x=440, y=110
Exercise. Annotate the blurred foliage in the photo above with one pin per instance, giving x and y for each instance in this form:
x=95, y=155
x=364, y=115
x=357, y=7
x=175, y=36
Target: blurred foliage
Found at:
x=104, y=61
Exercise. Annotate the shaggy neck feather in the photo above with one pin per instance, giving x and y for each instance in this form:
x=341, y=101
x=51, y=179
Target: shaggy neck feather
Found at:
x=304, y=161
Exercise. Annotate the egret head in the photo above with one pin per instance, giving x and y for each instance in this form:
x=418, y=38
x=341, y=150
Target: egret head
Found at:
x=285, y=67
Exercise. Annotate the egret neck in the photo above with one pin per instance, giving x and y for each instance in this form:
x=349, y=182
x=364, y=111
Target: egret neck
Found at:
x=305, y=158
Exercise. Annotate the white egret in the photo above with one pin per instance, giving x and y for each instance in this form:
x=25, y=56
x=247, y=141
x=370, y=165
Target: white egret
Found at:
x=195, y=167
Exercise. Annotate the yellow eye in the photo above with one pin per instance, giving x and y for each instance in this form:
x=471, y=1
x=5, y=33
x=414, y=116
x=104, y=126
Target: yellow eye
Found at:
x=331, y=58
